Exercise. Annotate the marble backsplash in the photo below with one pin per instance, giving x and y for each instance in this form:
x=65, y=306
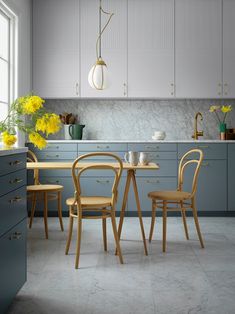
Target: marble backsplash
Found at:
x=138, y=119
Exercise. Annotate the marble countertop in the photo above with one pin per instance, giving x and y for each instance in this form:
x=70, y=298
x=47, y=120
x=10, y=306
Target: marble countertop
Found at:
x=12, y=151
x=140, y=141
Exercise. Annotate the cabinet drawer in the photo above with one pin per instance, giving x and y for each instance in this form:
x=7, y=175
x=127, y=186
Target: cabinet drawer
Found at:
x=211, y=151
x=231, y=177
x=167, y=168
x=102, y=147
x=56, y=156
x=152, y=147
x=104, y=158
x=146, y=185
x=12, y=181
x=12, y=264
x=12, y=163
x=12, y=209
x=55, y=147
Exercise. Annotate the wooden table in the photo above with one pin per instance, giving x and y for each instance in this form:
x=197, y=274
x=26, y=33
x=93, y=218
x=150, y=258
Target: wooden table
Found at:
x=131, y=170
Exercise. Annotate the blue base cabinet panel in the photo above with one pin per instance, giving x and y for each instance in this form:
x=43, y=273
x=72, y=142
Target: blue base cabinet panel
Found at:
x=146, y=185
x=212, y=185
x=12, y=264
x=231, y=177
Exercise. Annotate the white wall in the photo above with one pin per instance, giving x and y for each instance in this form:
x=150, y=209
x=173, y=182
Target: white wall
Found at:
x=23, y=10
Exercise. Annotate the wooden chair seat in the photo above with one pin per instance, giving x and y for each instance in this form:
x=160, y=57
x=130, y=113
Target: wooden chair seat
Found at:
x=170, y=195
x=44, y=188
x=91, y=201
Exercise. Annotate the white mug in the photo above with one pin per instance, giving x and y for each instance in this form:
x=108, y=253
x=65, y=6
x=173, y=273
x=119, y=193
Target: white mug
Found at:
x=144, y=158
x=132, y=158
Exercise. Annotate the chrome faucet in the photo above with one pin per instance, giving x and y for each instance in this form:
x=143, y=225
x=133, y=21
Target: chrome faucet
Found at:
x=196, y=132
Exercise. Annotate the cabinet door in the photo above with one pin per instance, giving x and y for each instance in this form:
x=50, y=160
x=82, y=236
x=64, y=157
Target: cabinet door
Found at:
x=114, y=46
x=198, y=48
x=56, y=48
x=231, y=176
x=212, y=185
x=229, y=48
x=151, y=48
x=12, y=264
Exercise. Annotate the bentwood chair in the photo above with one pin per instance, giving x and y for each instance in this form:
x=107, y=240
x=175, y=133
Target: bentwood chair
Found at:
x=180, y=199
x=45, y=192
x=81, y=207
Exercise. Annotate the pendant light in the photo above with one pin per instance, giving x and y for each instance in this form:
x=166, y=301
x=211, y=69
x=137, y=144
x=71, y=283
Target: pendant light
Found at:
x=97, y=77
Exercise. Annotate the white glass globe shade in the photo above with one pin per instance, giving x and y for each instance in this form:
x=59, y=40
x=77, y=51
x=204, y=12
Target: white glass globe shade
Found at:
x=98, y=76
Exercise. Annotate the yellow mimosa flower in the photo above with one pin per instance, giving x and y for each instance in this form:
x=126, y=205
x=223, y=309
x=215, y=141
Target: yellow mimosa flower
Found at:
x=214, y=108
x=226, y=109
x=31, y=104
x=37, y=140
x=8, y=139
x=49, y=123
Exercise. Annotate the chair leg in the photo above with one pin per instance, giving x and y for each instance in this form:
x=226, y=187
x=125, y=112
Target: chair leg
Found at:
x=45, y=213
x=115, y=233
x=60, y=211
x=197, y=224
x=164, y=216
x=70, y=233
x=79, y=235
x=183, y=213
x=32, y=209
x=152, y=221
x=104, y=233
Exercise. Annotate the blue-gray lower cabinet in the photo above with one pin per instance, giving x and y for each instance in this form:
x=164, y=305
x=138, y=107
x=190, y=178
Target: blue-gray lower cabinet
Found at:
x=12, y=264
x=212, y=185
x=231, y=177
x=13, y=215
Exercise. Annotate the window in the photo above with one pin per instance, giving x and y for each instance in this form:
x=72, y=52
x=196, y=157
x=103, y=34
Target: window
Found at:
x=7, y=60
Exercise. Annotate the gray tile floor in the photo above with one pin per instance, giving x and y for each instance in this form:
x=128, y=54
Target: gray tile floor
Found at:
x=186, y=279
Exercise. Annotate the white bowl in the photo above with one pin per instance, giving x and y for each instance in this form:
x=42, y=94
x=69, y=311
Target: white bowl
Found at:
x=159, y=135
x=158, y=138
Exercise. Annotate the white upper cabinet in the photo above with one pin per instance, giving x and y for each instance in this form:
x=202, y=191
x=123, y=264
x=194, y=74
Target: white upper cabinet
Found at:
x=229, y=48
x=198, y=48
x=56, y=48
x=151, y=48
x=114, y=46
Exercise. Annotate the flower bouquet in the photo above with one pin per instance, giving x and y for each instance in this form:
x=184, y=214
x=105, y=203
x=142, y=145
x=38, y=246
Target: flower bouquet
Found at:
x=221, y=113
x=28, y=115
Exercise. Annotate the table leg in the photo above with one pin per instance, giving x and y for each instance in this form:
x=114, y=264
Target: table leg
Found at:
x=139, y=209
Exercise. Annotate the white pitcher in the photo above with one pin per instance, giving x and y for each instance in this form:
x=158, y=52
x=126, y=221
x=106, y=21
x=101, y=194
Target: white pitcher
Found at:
x=132, y=158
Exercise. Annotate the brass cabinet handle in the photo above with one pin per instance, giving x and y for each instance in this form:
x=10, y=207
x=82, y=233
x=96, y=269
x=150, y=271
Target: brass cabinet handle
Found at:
x=52, y=182
x=102, y=147
x=151, y=147
x=15, y=181
x=205, y=164
x=15, y=199
x=15, y=162
x=15, y=236
x=53, y=156
x=53, y=146
x=202, y=146
x=225, y=88
x=125, y=89
x=220, y=89
x=103, y=181
x=77, y=89
x=153, y=182
x=172, y=89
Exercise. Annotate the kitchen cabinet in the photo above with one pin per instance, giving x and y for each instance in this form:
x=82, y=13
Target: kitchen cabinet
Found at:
x=212, y=182
x=56, y=61
x=228, y=49
x=231, y=177
x=13, y=225
x=114, y=46
x=198, y=48
x=151, y=48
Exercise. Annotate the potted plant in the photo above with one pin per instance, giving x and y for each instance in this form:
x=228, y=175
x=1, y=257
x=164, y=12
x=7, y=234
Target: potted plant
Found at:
x=221, y=113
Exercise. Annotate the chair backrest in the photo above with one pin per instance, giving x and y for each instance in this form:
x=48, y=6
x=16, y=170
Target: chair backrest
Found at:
x=186, y=161
x=31, y=157
x=91, y=165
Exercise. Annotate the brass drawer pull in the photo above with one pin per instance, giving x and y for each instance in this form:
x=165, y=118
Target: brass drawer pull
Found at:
x=53, y=156
x=15, y=199
x=52, y=182
x=15, y=236
x=15, y=181
x=103, y=181
x=153, y=182
x=205, y=164
x=53, y=146
x=202, y=146
x=151, y=147
x=14, y=163
x=102, y=147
